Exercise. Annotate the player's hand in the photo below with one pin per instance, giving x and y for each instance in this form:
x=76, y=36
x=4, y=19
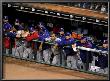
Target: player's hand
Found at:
x=18, y=35
x=74, y=46
x=40, y=47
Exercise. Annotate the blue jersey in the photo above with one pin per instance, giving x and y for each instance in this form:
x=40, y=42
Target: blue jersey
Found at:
x=87, y=44
x=86, y=56
x=68, y=42
x=7, y=26
x=43, y=35
x=62, y=37
x=68, y=46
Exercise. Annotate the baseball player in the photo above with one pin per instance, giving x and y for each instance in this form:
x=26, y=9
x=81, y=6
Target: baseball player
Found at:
x=12, y=35
x=62, y=53
x=6, y=25
x=19, y=39
x=55, y=49
x=6, y=28
x=43, y=33
x=102, y=61
x=30, y=44
x=17, y=25
x=69, y=43
x=85, y=56
x=47, y=50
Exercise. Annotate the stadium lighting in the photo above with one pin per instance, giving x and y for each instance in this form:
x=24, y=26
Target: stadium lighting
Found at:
x=21, y=7
x=97, y=20
x=33, y=9
x=9, y=5
x=46, y=11
x=83, y=18
x=71, y=16
x=58, y=14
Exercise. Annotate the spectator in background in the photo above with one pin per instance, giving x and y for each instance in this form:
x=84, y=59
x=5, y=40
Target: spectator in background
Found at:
x=103, y=8
x=92, y=6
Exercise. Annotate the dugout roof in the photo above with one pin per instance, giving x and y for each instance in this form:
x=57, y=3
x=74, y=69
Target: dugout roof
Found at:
x=67, y=9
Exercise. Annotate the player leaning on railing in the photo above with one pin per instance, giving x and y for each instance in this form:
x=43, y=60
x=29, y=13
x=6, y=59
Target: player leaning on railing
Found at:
x=31, y=36
x=43, y=33
x=69, y=45
x=57, y=49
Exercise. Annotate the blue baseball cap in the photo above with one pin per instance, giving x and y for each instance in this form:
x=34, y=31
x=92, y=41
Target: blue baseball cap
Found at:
x=61, y=29
x=31, y=29
x=5, y=17
x=41, y=24
x=17, y=20
x=67, y=34
x=83, y=38
x=20, y=27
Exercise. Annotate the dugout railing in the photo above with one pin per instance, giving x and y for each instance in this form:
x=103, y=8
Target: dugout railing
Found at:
x=32, y=56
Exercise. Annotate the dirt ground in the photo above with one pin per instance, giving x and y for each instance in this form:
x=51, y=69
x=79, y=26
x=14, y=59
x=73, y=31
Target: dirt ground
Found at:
x=16, y=69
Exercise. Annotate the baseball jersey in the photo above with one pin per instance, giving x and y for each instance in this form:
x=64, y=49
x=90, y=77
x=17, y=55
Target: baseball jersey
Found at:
x=7, y=26
x=68, y=46
x=84, y=54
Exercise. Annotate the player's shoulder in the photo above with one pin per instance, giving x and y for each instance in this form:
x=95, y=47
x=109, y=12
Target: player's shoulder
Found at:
x=57, y=39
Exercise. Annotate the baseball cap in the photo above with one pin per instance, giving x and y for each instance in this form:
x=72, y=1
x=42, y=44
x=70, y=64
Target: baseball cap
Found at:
x=16, y=20
x=67, y=34
x=41, y=25
x=61, y=29
x=5, y=17
x=83, y=38
x=20, y=27
x=31, y=29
